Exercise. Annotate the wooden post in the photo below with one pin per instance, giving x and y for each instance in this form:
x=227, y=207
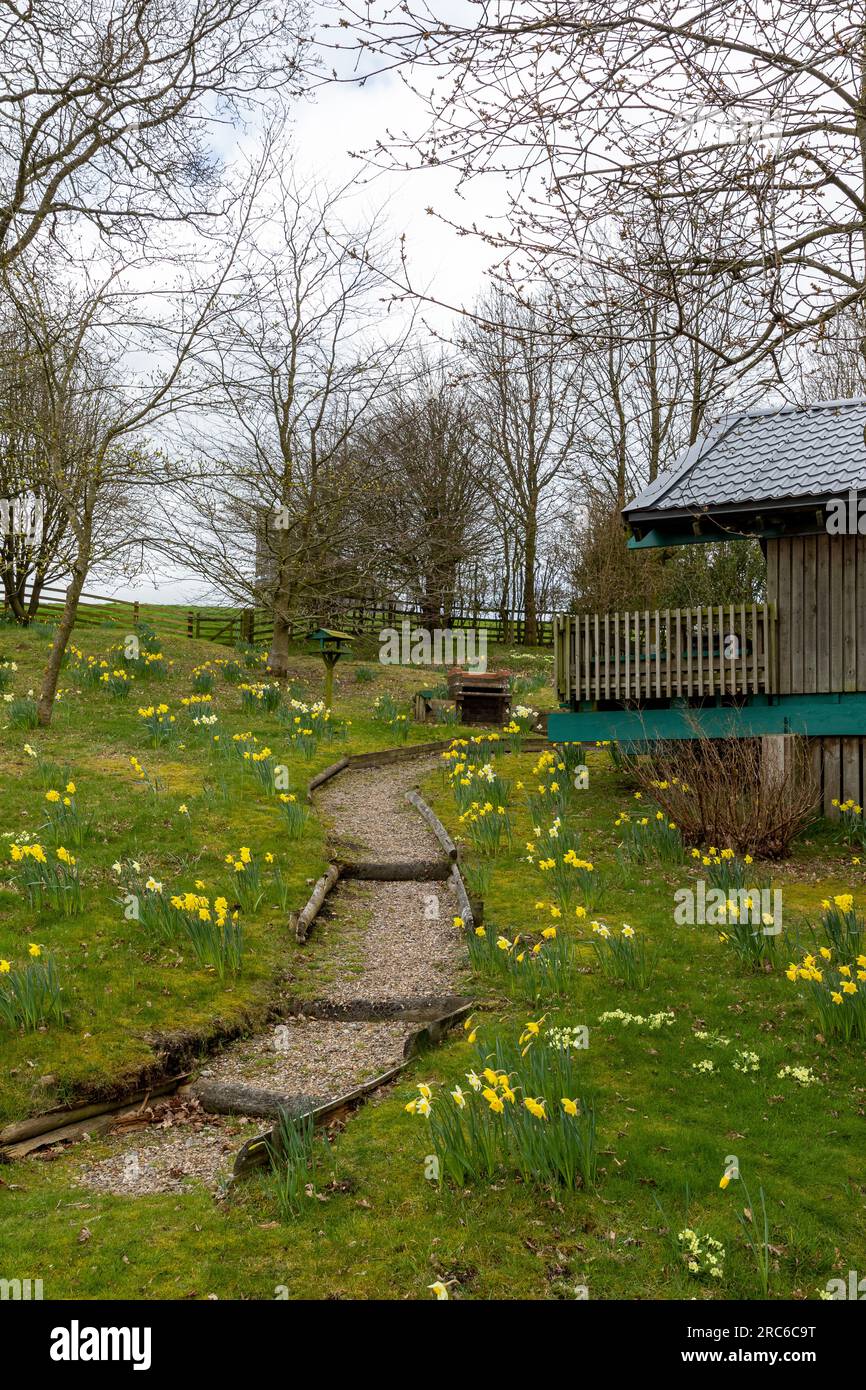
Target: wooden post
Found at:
x=190, y=617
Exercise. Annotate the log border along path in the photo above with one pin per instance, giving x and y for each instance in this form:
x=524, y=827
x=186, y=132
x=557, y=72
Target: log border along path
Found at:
x=393, y=883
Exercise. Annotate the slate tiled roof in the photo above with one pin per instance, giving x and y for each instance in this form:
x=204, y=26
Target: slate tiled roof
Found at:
x=778, y=454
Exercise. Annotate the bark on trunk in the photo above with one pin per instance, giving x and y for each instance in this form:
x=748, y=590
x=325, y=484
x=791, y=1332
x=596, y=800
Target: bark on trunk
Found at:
x=51, y=674
x=530, y=624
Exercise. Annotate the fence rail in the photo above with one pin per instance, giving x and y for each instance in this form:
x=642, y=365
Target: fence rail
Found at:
x=723, y=649
x=231, y=625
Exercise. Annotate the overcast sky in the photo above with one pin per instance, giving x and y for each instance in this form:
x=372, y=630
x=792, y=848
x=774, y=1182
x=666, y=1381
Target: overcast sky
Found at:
x=336, y=119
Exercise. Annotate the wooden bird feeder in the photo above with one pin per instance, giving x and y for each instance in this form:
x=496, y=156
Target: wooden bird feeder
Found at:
x=331, y=645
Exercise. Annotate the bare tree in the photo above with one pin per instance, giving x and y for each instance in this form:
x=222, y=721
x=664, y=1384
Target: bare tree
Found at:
x=425, y=452
x=298, y=365
x=105, y=107
x=94, y=455
x=748, y=117
x=528, y=396
x=34, y=527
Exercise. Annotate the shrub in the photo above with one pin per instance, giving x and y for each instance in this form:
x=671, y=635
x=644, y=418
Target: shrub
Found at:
x=731, y=791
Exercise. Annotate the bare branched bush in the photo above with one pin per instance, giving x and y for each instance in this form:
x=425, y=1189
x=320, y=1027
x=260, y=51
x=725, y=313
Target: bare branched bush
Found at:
x=752, y=795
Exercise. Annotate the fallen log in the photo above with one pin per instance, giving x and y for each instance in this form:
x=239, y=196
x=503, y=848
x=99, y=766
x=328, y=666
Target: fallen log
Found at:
x=97, y=1124
x=434, y=823
x=235, y=1098
x=303, y=920
x=397, y=870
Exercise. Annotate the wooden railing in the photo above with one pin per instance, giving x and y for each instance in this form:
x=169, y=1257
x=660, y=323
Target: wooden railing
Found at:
x=724, y=649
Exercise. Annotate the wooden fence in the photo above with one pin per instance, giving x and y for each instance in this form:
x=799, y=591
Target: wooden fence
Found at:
x=229, y=626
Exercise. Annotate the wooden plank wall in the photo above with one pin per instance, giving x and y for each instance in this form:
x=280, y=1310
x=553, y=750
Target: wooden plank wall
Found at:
x=840, y=769
x=818, y=584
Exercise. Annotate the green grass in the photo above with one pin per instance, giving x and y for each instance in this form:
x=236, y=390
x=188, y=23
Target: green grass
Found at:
x=123, y=993
x=383, y=1230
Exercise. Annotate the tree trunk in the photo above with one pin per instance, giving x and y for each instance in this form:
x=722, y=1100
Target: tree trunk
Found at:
x=64, y=629
x=278, y=657
x=530, y=550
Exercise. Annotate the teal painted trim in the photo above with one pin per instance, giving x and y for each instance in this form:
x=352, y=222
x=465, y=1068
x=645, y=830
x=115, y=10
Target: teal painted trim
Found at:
x=818, y=716
x=655, y=539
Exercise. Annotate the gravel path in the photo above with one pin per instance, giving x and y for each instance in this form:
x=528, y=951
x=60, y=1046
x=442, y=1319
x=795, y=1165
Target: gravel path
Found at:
x=369, y=814
x=376, y=942
x=312, y=1056
x=395, y=940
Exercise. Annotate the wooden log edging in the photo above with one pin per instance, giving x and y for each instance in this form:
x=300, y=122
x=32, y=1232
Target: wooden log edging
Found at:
x=325, y=776
x=396, y=870
x=53, y=1126
x=434, y=823
x=256, y=1152
x=464, y=905
x=303, y=920
x=417, y=1008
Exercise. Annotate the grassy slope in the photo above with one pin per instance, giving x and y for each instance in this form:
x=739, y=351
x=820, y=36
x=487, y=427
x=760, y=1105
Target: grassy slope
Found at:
x=388, y=1233
x=123, y=992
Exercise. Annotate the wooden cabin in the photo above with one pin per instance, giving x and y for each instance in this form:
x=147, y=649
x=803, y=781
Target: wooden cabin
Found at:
x=792, y=477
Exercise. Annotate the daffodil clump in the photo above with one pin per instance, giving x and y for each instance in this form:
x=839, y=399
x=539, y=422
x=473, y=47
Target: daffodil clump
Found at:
x=315, y=719
x=727, y=870
x=247, y=877
x=261, y=695
x=202, y=678
x=649, y=837
x=387, y=712
x=117, y=682
x=86, y=670
x=550, y=789
x=851, y=824
x=520, y=1111
x=260, y=762
x=141, y=774
x=30, y=994
x=542, y=969
x=470, y=781
x=743, y=924
x=295, y=813
x=523, y=718
x=562, y=867
x=47, y=881
x=487, y=825
x=159, y=724
x=836, y=990
x=7, y=671
x=842, y=924
x=622, y=956
x=209, y=926
x=66, y=822
x=702, y=1254
x=198, y=704
x=154, y=664
x=613, y=752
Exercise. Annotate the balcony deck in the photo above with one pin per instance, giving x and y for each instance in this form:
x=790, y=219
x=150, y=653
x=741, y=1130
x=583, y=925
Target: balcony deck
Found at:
x=629, y=659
